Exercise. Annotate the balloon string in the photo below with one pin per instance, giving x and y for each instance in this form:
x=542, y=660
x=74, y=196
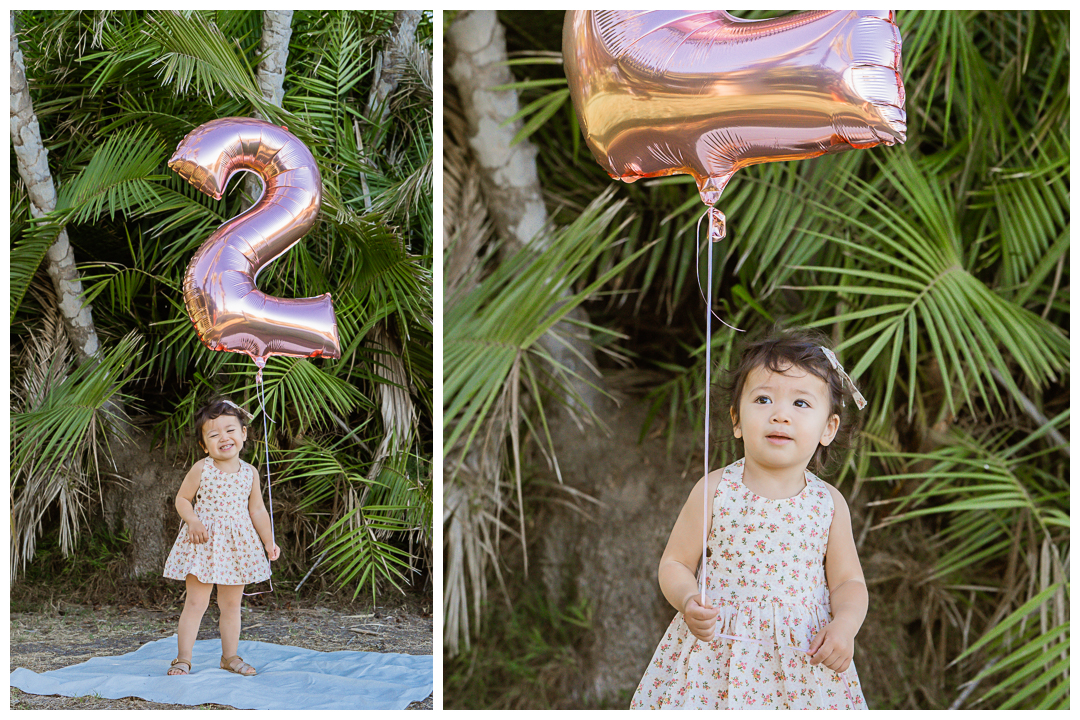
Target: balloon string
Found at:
x=261, y=392
x=715, y=230
x=708, y=384
x=710, y=213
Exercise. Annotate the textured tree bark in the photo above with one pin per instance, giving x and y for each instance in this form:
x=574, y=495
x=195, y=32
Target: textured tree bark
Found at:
x=34, y=170
x=144, y=503
x=476, y=60
x=277, y=31
x=270, y=74
x=388, y=71
x=476, y=57
x=390, y=64
x=610, y=557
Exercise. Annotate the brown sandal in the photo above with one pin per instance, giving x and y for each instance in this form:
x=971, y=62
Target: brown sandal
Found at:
x=226, y=662
x=176, y=662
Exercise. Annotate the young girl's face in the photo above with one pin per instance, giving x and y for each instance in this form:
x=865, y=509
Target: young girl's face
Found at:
x=783, y=417
x=223, y=437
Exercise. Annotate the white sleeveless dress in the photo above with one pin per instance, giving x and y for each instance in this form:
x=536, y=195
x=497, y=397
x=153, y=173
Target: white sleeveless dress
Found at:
x=766, y=574
x=233, y=554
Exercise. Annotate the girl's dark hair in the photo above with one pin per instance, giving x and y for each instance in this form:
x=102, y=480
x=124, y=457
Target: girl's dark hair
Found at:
x=777, y=352
x=215, y=409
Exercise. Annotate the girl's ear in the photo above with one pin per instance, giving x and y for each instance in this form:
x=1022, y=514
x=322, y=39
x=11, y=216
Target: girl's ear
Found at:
x=830, y=429
x=735, y=423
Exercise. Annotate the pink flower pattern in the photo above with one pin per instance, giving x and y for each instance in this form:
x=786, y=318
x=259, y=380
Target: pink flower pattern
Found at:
x=233, y=554
x=766, y=574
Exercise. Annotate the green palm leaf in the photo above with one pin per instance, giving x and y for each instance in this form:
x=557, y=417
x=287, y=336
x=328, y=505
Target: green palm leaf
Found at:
x=27, y=251
x=982, y=485
x=64, y=424
x=1039, y=668
x=967, y=324
x=301, y=394
x=488, y=329
x=355, y=553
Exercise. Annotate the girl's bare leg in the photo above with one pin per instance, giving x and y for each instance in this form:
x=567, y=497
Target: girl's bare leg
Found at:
x=198, y=598
x=228, y=600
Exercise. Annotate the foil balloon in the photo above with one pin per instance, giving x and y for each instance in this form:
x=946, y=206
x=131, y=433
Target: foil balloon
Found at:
x=229, y=312
x=662, y=92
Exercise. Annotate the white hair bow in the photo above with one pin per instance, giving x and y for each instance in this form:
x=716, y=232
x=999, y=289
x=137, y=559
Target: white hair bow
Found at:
x=250, y=416
x=860, y=401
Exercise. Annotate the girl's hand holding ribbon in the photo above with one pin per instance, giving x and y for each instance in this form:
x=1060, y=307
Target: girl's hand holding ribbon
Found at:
x=700, y=617
x=273, y=553
x=833, y=647
x=197, y=532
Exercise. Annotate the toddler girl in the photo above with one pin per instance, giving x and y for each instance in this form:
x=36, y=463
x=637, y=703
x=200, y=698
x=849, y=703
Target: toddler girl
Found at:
x=784, y=593
x=225, y=538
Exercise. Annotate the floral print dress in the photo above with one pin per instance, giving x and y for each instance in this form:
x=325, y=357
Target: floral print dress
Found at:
x=766, y=574
x=233, y=554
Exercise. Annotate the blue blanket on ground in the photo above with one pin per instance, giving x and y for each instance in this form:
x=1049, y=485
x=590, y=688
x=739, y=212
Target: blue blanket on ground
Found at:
x=289, y=678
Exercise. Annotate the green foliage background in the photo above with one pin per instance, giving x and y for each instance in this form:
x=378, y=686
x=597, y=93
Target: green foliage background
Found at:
x=114, y=93
x=940, y=270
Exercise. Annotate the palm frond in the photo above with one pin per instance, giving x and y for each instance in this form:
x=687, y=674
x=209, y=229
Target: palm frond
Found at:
x=986, y=487
x=196, y=54
x=488, y=329
x=27, y=250
x=297, y=391
x=1039, y=668
x=356, y=554
x=920, y=258
x=118, y=179
x=61, y=424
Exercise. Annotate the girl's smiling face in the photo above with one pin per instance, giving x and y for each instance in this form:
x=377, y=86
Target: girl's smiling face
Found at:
x=783, y=417
x=223, y=437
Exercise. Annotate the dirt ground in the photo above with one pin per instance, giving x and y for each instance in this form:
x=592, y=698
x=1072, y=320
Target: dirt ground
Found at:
x=61, y=634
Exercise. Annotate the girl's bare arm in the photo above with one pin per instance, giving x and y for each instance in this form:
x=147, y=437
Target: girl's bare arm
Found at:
x=185, y=496
x=834, y=645
x=682, y=556
x=843, y=572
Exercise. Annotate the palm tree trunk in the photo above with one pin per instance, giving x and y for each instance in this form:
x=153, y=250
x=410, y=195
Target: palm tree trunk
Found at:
x=277, y=31
x=34, y=170
x=390, y=63
x=389, y=66
x=270, y=74
x=476, y=58
x=395, y=403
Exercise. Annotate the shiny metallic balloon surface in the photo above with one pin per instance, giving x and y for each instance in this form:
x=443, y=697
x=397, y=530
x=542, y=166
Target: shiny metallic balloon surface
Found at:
x=661, y=92
x=230, y=313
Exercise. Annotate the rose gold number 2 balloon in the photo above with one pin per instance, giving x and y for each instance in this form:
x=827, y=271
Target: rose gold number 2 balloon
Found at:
x=661, y=92
x=229, y=311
